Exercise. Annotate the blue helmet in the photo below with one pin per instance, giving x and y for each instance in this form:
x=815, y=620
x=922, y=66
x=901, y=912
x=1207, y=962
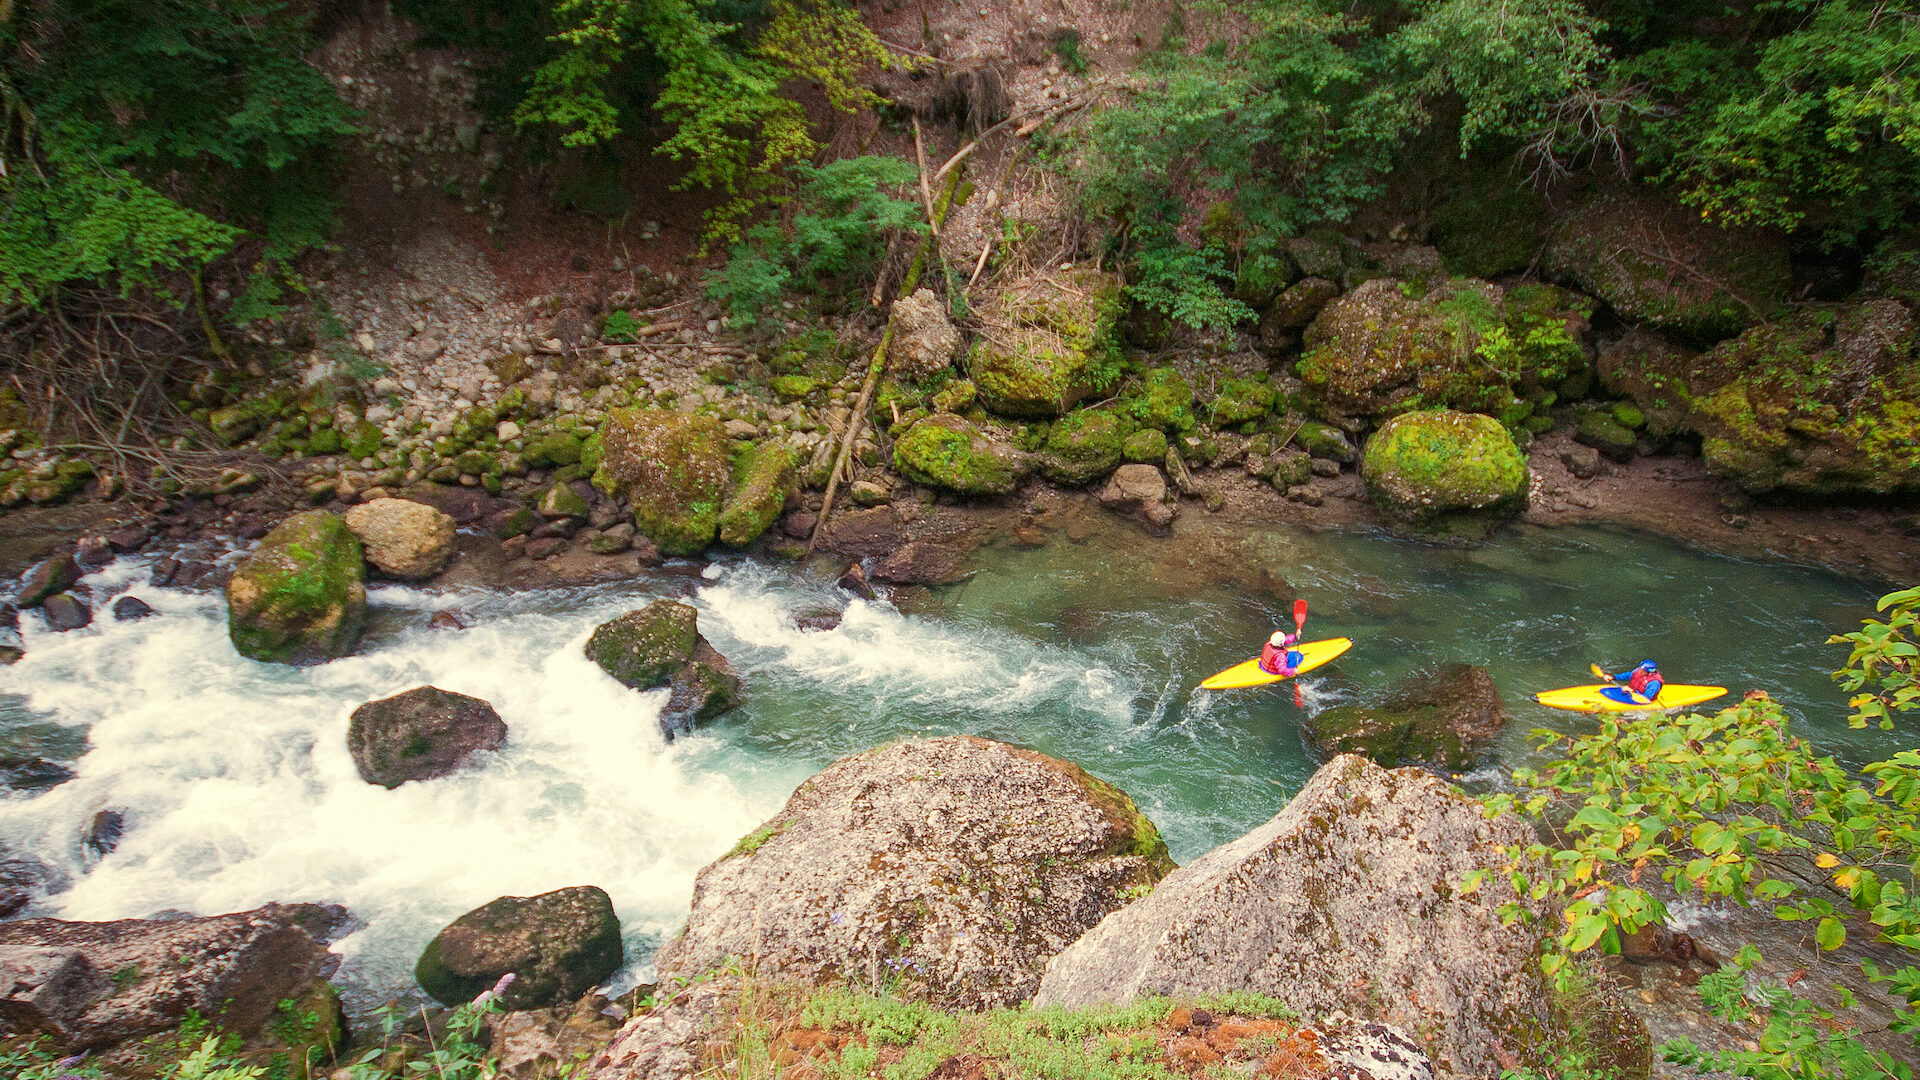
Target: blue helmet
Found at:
x=1648, y=665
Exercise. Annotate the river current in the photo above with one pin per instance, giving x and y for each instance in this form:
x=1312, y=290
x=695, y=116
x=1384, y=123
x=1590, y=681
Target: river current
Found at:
x=237, y=788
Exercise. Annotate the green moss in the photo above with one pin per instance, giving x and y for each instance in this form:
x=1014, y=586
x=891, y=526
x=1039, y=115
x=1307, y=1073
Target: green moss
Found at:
x=762, y=477
x=236, y=422
x=1053, y=343
x=792, y=387
x=300, y=597
x=1147, y=446
x=754, y=840
x=1164, y=400
x=1629, y=416
x=1421, y=466
x=675, y=468
x=1083, y=447
x=553, y=448
x=955, y=397
x=1240, y=400
x=643, y=649
x=945, y=451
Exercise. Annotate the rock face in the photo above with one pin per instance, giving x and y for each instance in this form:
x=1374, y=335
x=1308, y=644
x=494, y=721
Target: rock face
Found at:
x=762, y=478
x=924, y=340
x=1047, y=342
x=675, y=469
x=92, y=984
x=421, y=734
x=660, y=645
x=301, y=597
x=558, y=945
x=945, y=451
x=1425, y=467
x=1348, y=900
x=955, y=866
x=1387, y=347
x=1657, y=263
x=922, y=562
x=1442, y=718
x=407, y=540
x=1825, y=401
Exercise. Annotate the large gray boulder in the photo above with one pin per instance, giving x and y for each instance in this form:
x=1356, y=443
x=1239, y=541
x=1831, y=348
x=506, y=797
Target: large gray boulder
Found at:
x=1348, y=900
x=660, y=645
x=405, y=539
x=924, y=339
x=419, y=735
x=948, y=868
x=557, y=945
x=94, y=984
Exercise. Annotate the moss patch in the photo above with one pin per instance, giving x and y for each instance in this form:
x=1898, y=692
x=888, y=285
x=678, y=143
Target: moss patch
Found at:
x=675, y=468
x=301, y=597
x=643, y=649
x=1047, y=342
x=1422, y=466
x=945, y=451
x=1083, y=447
x=763, y=475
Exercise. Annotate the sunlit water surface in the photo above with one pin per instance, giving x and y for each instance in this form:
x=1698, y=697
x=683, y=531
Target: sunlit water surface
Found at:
x=238, y=789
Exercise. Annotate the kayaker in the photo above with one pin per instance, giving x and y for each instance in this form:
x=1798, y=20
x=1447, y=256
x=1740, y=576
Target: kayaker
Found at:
x=1278, y=656
x=1643, y=679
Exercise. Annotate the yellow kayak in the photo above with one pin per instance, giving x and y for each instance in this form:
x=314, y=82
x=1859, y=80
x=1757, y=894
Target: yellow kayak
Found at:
x=1314, y=653
x=1590, y=699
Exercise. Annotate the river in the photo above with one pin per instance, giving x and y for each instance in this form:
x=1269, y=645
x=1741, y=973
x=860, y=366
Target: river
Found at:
x=237, y=787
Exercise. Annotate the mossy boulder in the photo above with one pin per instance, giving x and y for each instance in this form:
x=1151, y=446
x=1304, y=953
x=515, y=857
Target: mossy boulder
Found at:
x=660, y=645
x=1386, y=348
x=1442, y=718
x=239, y=421
x=301, y=596
x=1241, y=400
x=1164, y=401
x=553, y=448
x=763, y=476
x=1325, y=441
x=557, y=945
x=675, y=468
x=63, y=480
x=1825, y=401
x=1597, y=428
x=1424, y=468
x=792, y=387
x=945, y=451
x=364, y=441
x=1083, y=447
x=1148, y=446
x=1658, y=263
x=1047, y=341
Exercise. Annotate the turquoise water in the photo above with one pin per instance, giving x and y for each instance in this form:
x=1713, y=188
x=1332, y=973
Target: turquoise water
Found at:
x=237, y=788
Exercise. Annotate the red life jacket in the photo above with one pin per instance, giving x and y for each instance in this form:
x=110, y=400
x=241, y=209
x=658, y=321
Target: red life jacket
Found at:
x=1640, y=678
x=1273, y=658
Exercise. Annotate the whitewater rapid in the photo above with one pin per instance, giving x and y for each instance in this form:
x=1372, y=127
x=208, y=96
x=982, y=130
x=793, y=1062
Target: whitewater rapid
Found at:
x=237, y=787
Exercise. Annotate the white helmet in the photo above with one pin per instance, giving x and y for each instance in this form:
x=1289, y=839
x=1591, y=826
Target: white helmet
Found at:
x=1279, y=638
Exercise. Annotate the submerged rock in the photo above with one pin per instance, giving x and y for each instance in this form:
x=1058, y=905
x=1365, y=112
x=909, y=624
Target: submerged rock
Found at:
x=1049, y=341
x=301, y=597
x=1139, y=491
x=94, y=984
x=557, y=945
x=660, y=645
x=673, y=467
x=1428, y=467
x=405, y=539
x=945, y=451
x=922, y=562
x=419, y=735
x=1442, y=718
x=1348, y=901
x=65, y=611
x=131, y=609
x=949, y=868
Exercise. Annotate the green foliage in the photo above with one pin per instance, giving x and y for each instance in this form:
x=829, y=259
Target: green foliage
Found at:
x=1729, y=806
x=620, y=326
x=462, y=1054
x=828, y=236
x=143, y=138
x=29, y=1060
x=731, y=123
x=1799, y=112
x=1298, y=123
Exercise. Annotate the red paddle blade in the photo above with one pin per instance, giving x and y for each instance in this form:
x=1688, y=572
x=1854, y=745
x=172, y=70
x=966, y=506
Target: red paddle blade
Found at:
x=1299, y=615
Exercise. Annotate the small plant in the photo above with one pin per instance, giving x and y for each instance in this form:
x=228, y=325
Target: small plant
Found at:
x=126, y=976
x=31, y=1061
x=1066, y=46
x=620, y=328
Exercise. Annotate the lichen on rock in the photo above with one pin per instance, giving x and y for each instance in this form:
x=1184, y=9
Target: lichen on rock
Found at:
x=948, y=869
x=674, y=467
x=300, y=597
x=407, y=540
